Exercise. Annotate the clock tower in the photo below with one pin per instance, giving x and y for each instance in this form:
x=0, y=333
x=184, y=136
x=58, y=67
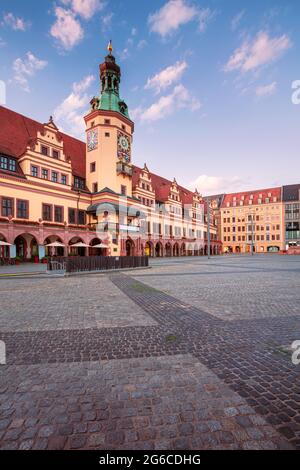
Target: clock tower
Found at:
x=109, y=132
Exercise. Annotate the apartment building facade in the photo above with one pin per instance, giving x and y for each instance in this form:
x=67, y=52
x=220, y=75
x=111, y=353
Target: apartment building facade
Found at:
x=253, y=221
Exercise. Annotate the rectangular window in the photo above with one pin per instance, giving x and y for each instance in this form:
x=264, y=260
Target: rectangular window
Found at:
x=79, y=183
x=107, y=134
x=123, y=190
x=54, y=176
x=3, y=163
x=81, y=217
x=55, y=154
x=95, y=187
x=107, y=121
x=93, y=167
x=7, y=207
x=7, y=163
x=34, y=171
x=45, y=174
x=44, y=150
x=72, y=216
x=58, y=214
x=63, y=179
x=47, y=212
x=22, y=209
x=12, y=165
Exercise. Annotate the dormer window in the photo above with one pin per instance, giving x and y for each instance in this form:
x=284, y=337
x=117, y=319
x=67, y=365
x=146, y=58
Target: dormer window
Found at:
x=44, y=150
x=7, y=163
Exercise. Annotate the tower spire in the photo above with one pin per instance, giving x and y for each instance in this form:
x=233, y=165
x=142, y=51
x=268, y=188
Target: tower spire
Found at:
x=110, y=47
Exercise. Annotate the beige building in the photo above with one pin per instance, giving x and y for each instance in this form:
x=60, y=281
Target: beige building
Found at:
x=253, y=221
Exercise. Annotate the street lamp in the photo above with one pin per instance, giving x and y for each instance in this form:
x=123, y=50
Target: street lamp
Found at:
x=208, y=227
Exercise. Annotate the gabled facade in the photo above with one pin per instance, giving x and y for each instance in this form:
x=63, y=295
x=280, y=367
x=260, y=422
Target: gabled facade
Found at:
x=55, y=188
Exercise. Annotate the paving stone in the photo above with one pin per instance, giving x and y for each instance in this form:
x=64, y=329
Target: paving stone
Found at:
x=110, y=369
x=77, y=441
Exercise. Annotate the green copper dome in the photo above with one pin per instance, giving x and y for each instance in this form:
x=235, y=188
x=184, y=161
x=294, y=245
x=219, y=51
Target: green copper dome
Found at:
x=110, y=77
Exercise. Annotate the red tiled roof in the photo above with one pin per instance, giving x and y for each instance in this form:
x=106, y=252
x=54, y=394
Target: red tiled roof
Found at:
x=262, y=194
x=17, y=131
x=161, y=187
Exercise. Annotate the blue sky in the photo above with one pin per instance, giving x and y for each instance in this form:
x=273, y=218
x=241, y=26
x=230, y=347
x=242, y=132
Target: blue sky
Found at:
x=208, y=84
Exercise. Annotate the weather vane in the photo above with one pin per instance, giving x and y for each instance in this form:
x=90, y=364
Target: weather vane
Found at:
x=109, y=47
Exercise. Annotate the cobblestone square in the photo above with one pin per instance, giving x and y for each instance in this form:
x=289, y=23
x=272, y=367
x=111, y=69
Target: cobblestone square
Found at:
x=190, y=354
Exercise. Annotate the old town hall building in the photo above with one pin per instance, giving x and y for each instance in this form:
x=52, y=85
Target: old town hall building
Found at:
x=57, y=190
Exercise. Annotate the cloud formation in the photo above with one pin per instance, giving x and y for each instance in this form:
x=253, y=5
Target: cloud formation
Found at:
x=25, y=68
x=69, y=114
x=209, y=185
x=16, y=23
x=176, y=13
x=67, y=29
x=261, y=51
x=166, y=77
x=85, y=8
x=166, y=105
x=235, y=22
x=265, y=90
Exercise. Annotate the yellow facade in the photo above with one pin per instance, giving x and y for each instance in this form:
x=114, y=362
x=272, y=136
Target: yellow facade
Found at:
x=247, y=226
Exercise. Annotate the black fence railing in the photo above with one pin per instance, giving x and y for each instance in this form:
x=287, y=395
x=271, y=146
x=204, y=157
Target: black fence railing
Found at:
x=78, y=264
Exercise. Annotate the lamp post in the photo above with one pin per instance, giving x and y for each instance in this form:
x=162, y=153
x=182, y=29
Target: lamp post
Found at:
x=208, y=227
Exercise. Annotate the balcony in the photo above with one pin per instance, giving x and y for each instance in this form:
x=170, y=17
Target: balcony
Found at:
x=124, y=168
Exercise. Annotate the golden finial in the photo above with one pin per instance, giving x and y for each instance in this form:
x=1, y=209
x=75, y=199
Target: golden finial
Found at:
x=109, y=47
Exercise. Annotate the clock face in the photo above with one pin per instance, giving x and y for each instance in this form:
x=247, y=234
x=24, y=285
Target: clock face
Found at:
x=124, y=143
x=92, y=139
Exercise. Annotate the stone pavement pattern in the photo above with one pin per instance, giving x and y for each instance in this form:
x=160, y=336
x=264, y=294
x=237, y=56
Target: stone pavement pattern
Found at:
x=138, y=368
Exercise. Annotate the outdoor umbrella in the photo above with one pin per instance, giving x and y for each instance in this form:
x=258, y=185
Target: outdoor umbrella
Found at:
x=80, y=245
x=55, y=244
x=5, y=243
x=101, y=245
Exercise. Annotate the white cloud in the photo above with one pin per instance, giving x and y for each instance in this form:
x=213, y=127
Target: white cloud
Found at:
x=25, y=68
x=2, y=43
x=67, y=29
x=69, y=114
x=176, y=13
x=106, y=21
x=209, y=185
x=166, y=77
x=168, y=104
x=17, y=24
x=266, y=89
x=125, y=53
x=141, y=44
x=85, y=8
x=84, y=84
x=235, y=22
x=260, y=51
